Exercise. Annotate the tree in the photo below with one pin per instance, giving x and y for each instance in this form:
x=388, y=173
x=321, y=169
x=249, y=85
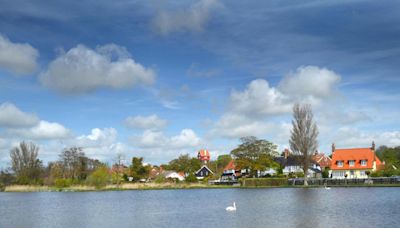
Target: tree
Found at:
x=100, y=177
x=254, y=154
x=119, y=166
x=25, y=163
x=138, y=170
x=184, y=163
x=303, y=139
x=76, y=165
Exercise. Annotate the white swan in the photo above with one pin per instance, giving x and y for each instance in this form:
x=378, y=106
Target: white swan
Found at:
x=327, y=188
x=230, y=208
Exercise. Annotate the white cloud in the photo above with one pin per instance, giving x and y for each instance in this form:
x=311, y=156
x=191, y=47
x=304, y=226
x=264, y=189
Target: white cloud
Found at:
x=193, y=18
x=145, y=122
x=259, y=99
x=353, y=137
x=12, y=117
x=42, y=131
x=83, y=70
x=310, y=82
x=97, y=138
x=16, y=57
x=187, y=138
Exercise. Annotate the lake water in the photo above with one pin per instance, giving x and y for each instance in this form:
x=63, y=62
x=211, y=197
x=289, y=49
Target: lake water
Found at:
x=276, y=207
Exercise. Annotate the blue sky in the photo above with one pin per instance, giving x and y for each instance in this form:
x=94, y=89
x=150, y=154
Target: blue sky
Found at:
x=158, y=79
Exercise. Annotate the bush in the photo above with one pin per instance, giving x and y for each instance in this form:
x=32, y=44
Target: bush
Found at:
x=160, y=179
x=99, y=178
x=62, y=183
x=191, y=178
x=264, y=182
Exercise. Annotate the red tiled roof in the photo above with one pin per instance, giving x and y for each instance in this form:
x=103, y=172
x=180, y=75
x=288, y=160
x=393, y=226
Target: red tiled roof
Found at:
x=355, y=154
x=322, y=160
x=231, y=165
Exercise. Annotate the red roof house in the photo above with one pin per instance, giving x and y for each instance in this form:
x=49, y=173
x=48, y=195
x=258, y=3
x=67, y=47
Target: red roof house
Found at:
x=354, y=162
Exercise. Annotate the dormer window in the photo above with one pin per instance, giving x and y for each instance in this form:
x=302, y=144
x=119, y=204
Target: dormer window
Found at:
x=364, y=162
x=351, y=163
x=339, y=163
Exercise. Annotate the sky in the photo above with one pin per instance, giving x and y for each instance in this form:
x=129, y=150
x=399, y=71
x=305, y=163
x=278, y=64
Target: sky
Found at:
x=162, y=78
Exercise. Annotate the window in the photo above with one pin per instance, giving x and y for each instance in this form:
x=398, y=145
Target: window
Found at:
x=339, y=163
x=351, y=163
x=351, y=173
x=364, y=162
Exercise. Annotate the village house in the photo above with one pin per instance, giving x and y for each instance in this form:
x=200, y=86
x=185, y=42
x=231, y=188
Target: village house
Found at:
x=354, y=162
x=323, y=160
x=291, y=164
x=204, y=156
x=203, y=172
x=230, y=172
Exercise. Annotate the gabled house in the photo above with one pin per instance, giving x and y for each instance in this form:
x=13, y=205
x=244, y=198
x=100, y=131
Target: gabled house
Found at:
x=354, y=162
x=230, y=173
x=323, y=160
x=291, y=164
x=203, y=172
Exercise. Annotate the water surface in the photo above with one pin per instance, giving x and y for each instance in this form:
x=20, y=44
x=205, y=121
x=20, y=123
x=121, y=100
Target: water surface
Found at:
x=275, y=207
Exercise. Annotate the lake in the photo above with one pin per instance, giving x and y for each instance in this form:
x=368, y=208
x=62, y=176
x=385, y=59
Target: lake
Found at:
x=273, y=207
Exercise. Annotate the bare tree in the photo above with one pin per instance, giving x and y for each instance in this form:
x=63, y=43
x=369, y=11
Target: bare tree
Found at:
x=119, y=166
x=25, y=162
x=303, y=139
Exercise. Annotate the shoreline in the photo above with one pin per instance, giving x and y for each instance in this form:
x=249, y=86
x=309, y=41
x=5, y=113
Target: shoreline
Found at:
x=165, y=186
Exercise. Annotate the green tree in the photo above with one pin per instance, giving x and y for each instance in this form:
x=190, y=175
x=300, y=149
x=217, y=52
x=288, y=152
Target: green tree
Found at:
x=184, y=163
x=254, y=154
x=100, y=177
x=25, y=163
x=138, y=170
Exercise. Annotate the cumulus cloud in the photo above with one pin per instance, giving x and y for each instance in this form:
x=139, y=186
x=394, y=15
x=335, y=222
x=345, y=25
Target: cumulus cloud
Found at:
x=12, y=117
x=42, y=131
x=17, y=57
x=193, y=18
x=82, y=69
x=157, y=139
x=310, y=82
x=145, y=122
x=97, y=138
x=250, y=110
x=259, y=99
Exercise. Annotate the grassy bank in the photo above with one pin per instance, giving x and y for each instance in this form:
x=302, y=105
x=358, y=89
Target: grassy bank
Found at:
x=126, y=186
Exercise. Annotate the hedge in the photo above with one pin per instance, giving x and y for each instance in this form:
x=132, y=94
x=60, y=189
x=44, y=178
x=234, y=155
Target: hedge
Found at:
x=264, y=182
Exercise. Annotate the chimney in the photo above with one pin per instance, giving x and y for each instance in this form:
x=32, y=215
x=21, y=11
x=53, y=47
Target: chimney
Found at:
x=286, y=153
x=333, y=148
x=373, y=146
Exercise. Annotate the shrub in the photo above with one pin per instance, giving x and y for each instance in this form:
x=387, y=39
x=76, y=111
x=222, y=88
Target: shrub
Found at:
x=191, y=178
x=160, y=179
x=99, y=178
x=62, y=183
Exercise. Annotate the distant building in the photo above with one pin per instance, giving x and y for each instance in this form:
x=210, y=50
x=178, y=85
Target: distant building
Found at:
x=204, y=156
x=203, y=172
x=323, y=160
x=231, y=172
x=292, y=164
x=173, y=175
x=354, y=162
